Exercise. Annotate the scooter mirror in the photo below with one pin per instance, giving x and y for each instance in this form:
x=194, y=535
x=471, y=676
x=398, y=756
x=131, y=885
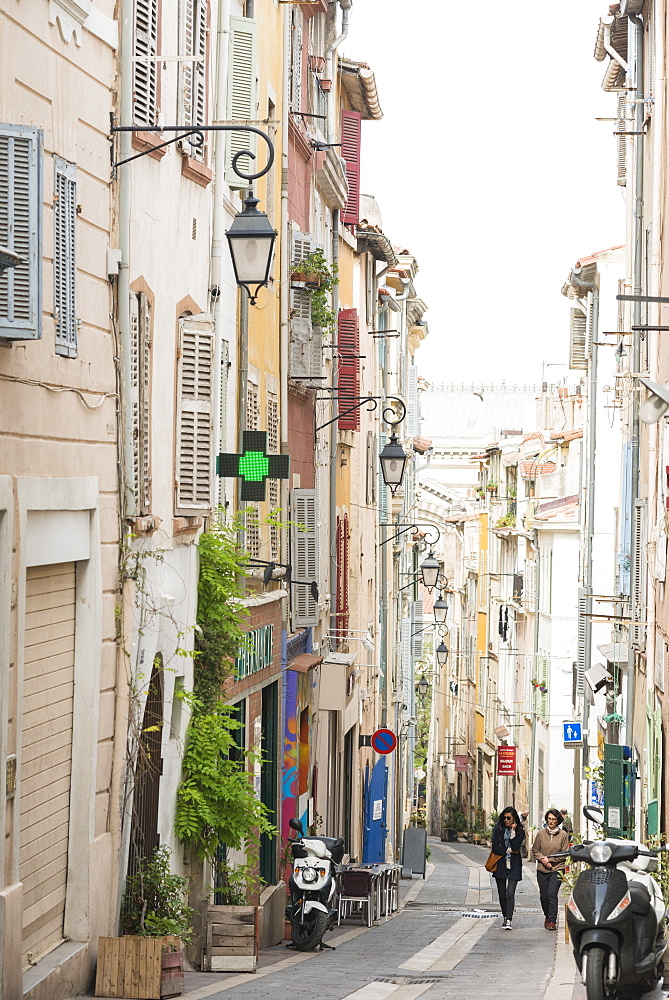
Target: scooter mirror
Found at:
x=295, y=824
x=594, y=814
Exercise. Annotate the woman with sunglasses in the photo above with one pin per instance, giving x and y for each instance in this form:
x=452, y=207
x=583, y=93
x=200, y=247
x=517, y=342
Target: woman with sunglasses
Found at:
x=507, y=839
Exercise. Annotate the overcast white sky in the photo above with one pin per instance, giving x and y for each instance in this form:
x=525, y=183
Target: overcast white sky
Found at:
x=489, y=166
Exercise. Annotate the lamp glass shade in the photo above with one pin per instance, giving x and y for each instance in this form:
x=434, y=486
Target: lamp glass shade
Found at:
x=422, y=687
x=440, y=609
x=429, y=569
x=251, y=239
x=393, y=460
x=442, y=653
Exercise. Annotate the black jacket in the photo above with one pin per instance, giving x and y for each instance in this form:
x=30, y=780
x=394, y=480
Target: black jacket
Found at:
x=499, y=847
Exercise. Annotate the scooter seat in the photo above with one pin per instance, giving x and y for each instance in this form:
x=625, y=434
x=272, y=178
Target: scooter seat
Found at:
x=640, y=898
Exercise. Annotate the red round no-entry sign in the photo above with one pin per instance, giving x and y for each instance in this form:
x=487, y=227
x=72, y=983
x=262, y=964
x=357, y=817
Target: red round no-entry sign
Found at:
x=384, y=741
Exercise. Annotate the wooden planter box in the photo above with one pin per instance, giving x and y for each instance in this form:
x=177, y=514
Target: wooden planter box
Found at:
x=230, y=938
x=141, y=968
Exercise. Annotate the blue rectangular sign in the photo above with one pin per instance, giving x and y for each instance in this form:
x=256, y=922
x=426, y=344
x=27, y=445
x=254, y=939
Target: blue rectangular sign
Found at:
x=572, y=732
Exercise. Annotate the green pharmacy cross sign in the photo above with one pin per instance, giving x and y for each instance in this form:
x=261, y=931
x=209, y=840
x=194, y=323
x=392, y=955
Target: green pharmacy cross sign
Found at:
x=253, y=466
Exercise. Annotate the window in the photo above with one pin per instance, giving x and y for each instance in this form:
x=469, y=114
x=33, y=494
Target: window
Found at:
x=64, y=256
x=242, y=90
x=304, y=556
x=252, y=522
x=273, y=484
x=140, y=360
x=194, y=418
x=350, y=151
x=21, y=231
x=145, y=65
x=306, y=341
x=341, y=602
x=193, y=89
x=348, y=350
x=252, y=407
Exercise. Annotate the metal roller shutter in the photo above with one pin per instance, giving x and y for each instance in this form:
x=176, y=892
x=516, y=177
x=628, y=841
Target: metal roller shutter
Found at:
x=48, y=701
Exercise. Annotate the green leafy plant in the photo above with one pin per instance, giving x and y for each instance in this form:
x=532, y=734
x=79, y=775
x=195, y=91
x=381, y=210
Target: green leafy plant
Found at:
x=320, y=278
x=154, y=902
x=216, y=803
x=234, y=885
x=507, y=520
x=491, y=485
x=454, y=817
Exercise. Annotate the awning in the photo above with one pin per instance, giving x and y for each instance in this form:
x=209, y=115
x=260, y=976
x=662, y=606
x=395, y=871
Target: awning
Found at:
x=615, y=652
x=360, y=86
x=304, y=662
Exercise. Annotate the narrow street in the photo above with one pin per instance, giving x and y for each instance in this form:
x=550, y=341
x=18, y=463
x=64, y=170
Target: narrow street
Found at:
x=445, y=941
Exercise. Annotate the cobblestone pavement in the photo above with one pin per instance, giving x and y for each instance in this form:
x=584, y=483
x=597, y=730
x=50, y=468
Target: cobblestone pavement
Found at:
x=445, y=941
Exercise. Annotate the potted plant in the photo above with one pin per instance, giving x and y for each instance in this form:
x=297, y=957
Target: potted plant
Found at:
x=317, y=277
x=231, y=922
x=147, y=961
x=491, y=486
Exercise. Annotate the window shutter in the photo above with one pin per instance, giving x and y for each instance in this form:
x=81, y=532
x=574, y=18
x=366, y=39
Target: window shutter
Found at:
x=140, y=332
x=638, y=583
x=578, y=358
x=241, y=95
x=341, y=607
x=21, y=231
x=145, y=79
x=383, y=489
x=64, y=256
x=413, y=422
x=406, y=661
x=304, y=556
x=416, y=624
x=372, y=469
x=580, y=661
x=622, y=139
x=348, y=349
x=194, y=444
x=350, y=151
x=193, y=90
x=306, y=341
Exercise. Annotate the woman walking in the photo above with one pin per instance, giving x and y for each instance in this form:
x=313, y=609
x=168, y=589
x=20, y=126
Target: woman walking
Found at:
x=507, y=839
x=550, y=840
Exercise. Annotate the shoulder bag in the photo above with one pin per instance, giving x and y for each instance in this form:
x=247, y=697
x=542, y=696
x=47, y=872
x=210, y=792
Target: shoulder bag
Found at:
x=492, y=862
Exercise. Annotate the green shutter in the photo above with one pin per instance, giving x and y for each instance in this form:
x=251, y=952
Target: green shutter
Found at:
x=241, y=104
x=21, y=231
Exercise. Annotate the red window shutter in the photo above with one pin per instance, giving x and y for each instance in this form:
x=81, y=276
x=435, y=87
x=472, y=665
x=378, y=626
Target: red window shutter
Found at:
x=348, y=350
x=350, y=151
x=341, y=604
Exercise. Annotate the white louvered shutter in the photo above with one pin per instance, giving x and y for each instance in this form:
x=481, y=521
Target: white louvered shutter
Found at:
x=416, y=624
x=140, y=331
x=145, y=67
x=65, y=256
x=383, y=489
x=578, y=356
x=580, y=661
x=194, y=446
x=413, y=422
x=621, y=142
x=638, y=582
x=193, y=90
x=306, y=341
x=21, y=231
x=406, y=661
x=304, y=560
x=242, y=87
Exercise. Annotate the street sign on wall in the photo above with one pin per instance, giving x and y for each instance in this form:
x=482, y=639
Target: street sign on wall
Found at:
x=572, y=734
x=506, y=760
x=461, y=762
x=384, y=741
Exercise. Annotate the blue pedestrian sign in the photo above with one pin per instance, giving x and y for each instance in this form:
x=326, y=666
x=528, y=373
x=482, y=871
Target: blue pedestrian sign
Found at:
x=572, y=734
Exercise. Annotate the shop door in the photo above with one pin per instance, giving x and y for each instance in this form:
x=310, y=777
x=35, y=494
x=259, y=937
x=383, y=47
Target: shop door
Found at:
x=374, y=847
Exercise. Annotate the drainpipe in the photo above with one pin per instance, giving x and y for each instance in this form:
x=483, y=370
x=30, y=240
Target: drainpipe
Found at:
x=533, y=744
x=128, y=508
x=330, y=62
x=637, y=253
x=334, y=431
x=284, y=293
x=218, y=227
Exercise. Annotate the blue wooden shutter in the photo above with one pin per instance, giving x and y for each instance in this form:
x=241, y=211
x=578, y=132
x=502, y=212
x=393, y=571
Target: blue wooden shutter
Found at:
x=65, y=256
x=21, y=231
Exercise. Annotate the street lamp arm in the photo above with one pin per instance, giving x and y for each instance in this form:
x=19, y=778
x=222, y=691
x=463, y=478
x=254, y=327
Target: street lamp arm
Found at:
x=361, y=400
x=409, y=527
x=197, y=140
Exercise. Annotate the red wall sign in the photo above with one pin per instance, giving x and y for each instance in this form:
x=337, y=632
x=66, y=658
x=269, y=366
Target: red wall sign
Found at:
x=461, y=762
x=506, y=760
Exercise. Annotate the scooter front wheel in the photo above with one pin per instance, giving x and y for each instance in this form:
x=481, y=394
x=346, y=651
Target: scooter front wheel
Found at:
x=306, y=934
x=595, y=973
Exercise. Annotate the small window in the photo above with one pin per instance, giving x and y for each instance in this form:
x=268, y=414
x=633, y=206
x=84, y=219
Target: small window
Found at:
x=65, y=256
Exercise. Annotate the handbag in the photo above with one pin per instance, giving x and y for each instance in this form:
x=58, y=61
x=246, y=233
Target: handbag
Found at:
x=492, y=862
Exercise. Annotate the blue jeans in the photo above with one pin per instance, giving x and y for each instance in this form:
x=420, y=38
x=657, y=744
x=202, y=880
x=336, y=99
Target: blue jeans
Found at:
x=506, y=890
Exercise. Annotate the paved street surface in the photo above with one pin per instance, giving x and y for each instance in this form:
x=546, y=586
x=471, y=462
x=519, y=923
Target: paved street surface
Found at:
x=446, y=941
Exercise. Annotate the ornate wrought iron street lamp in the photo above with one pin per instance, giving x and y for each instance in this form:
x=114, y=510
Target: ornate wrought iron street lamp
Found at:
x=440, y=610
x=442, y=653
x=429, y=569
x=251, y=239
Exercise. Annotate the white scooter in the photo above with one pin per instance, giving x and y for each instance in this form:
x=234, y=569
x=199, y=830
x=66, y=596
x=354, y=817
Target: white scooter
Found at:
x=312, y=886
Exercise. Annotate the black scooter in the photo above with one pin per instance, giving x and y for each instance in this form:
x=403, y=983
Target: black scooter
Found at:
x=616, y=917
